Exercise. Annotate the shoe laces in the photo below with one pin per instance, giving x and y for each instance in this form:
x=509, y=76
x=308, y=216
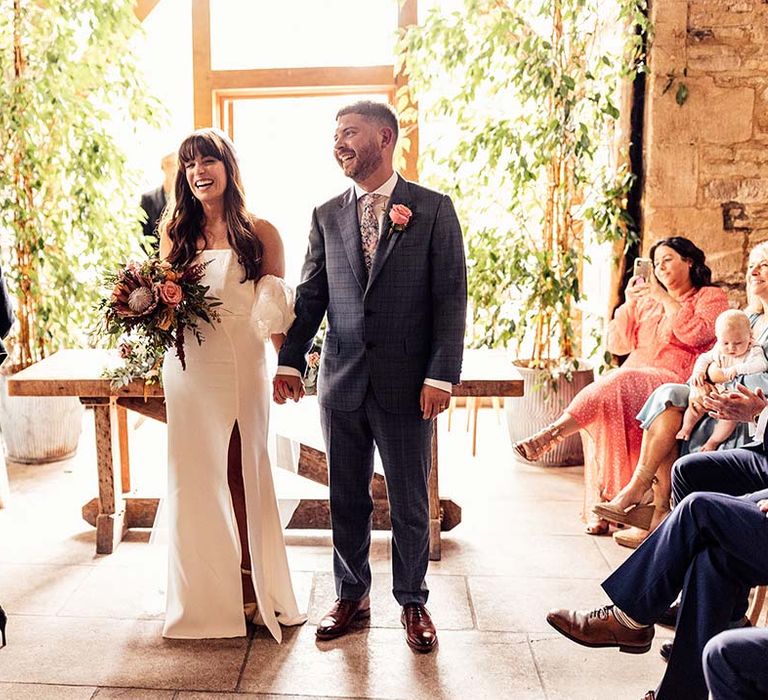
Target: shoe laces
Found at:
x=416, y=611
x=600, y=613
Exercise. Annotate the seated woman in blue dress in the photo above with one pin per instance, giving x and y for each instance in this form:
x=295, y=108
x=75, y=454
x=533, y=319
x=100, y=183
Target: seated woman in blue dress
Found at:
x=661, y=419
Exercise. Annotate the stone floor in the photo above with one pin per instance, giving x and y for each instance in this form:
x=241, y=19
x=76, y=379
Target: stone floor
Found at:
x=83, y=625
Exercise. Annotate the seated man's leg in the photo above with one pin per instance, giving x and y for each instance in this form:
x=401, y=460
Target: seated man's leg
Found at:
x=646, y=583
x=730, y=556
x=734, y=472
x=713, y=547
x=735, y=664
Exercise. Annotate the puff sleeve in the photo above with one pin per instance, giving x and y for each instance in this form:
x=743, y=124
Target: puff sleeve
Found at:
x=272, y=310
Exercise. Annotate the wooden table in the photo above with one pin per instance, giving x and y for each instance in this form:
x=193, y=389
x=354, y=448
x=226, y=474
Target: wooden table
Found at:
x=78, y=373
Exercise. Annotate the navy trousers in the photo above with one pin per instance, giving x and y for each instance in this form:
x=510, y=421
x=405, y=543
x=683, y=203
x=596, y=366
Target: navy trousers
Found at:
x=736, y=664
x=404, y=443
x=735, y=472
x=713, y=547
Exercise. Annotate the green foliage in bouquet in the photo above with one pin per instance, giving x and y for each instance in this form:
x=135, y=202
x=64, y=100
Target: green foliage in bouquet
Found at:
x=149, y=308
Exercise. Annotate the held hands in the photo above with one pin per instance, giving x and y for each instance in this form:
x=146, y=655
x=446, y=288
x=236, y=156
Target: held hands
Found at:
x=286, y=386
x=763, y=506
x=433, y=401
x=742, y=405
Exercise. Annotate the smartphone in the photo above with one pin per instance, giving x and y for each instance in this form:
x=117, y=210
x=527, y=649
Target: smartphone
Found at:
x=643, y=268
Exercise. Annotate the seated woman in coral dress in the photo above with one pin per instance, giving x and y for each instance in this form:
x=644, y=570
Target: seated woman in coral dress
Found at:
x=661, y=418
x=663, y=325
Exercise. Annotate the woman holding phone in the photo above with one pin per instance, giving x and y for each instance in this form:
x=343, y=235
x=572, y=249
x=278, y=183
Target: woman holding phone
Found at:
x=667, y=320
x=661, y=416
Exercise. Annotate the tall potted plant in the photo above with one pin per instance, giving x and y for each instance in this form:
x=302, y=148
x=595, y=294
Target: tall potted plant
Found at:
x=524, y=95
x=67, y=209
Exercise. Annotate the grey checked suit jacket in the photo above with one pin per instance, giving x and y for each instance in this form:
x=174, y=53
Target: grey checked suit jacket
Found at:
x=391, y=328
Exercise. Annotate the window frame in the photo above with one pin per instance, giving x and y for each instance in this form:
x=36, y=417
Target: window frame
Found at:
x=214, y=91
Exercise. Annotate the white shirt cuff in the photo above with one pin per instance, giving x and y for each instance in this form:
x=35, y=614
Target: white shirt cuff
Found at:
x=761, y=423
x=439, y=384
x=290, y=371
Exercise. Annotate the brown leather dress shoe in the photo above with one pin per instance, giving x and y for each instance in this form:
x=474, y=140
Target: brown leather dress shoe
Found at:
x=420, y=632
x=650, y=695
x=600, y=628
x=338, y=620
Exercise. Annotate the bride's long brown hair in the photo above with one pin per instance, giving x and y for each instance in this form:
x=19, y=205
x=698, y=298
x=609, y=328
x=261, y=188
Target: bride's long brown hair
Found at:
x=185, y=223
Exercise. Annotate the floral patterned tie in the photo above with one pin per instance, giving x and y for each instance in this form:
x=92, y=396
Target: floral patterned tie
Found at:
x=369, y=227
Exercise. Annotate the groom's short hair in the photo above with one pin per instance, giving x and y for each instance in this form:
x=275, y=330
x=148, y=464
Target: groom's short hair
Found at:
x=379, y=112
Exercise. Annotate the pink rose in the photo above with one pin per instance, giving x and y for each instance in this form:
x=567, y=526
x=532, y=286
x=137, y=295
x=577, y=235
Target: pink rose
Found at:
x=171, y=293
x=400, y=215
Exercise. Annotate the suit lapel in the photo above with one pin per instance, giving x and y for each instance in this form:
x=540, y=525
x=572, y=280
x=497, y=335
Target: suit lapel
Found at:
x=387, y=240
x=349, y=226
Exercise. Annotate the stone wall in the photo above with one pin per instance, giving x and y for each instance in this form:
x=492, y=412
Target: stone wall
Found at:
x=707, y=160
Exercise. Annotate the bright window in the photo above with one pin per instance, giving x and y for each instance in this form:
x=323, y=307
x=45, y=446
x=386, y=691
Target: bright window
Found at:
x=302, y=33
x=285, y=146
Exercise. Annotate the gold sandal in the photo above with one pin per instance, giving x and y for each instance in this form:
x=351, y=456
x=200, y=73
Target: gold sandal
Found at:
x=597, y=526
x=540, y=443
x=250, y=610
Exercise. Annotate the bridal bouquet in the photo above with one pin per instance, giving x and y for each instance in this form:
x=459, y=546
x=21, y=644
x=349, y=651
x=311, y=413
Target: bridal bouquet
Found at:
x=149, y=307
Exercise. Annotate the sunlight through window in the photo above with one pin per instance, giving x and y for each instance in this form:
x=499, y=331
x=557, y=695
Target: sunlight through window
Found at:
x=247, y=34
x=286, y=152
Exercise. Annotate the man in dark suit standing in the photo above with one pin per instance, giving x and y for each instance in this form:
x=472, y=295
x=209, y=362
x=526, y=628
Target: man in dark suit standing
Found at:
x=713, y=547
x=386, y=263
x=153, y=202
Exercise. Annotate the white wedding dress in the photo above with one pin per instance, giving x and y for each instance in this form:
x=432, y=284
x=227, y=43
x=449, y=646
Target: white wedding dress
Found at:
x=225, y=381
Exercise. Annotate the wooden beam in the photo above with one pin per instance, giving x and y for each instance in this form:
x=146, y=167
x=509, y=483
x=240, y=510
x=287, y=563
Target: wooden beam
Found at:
x=373, y=77
x=408, y=15
x=201, y=63
x=142, y=8
x=152, y=406
x=311, y=514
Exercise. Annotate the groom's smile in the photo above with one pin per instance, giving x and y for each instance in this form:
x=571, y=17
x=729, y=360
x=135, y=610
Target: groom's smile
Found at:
x=356, y=148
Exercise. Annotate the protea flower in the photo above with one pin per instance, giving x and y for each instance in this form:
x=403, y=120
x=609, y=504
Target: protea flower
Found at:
x=141, y=301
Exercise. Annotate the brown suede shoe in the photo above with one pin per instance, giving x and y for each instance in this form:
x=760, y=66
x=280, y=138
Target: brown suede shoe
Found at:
x=338, y=620
x=420, y=632
x=600, y=628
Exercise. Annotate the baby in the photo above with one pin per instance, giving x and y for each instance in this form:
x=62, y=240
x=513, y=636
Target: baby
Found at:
x=734, y=353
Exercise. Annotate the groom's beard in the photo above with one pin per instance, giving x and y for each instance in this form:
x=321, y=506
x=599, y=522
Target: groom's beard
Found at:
x=367, y=160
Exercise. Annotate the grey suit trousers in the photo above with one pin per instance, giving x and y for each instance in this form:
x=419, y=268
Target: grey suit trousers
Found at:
x=404, y=443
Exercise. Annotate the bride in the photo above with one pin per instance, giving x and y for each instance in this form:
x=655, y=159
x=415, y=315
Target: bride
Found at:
x=226, y=556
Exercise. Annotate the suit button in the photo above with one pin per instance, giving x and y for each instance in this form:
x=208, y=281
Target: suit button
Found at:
x=368, y=312
x=370, y=346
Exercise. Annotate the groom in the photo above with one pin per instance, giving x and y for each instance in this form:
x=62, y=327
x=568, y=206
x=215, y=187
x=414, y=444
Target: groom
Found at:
x=386, y=263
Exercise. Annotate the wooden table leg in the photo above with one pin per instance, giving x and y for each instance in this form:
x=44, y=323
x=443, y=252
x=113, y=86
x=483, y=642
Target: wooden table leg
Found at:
x=110, y=522
x=434, y=501
x=125, y=463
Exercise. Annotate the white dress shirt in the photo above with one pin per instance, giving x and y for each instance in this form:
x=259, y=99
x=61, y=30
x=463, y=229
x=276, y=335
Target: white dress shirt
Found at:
x=380, y=207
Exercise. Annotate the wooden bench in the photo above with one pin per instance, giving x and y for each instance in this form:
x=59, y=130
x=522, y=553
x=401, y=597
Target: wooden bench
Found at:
x=78, y=373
